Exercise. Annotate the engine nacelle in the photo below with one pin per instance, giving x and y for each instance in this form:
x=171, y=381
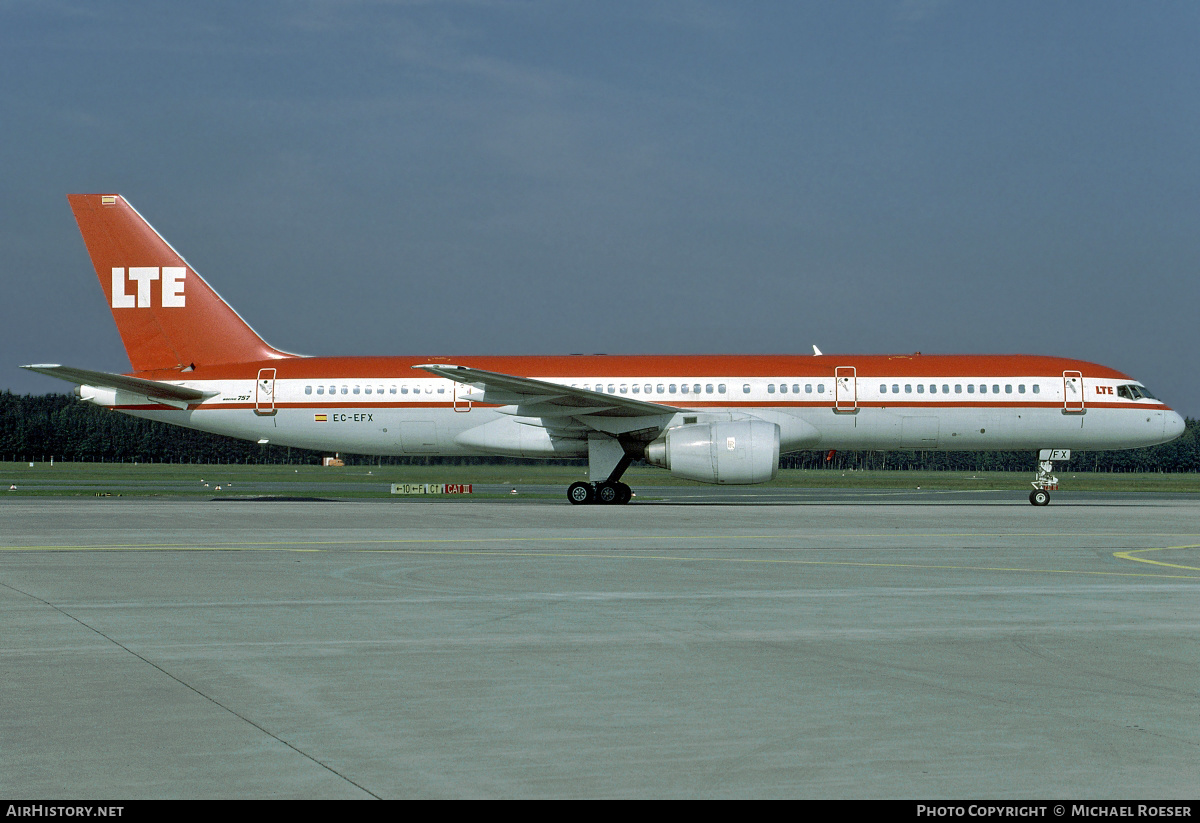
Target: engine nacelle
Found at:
x=99, y=395
x=737, y=452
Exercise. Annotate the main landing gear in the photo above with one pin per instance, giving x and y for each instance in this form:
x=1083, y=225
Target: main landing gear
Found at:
x=606, y=492
x=607, y=461
x=1046, y=482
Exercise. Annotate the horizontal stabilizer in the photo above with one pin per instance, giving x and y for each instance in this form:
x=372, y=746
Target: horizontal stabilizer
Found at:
x=152, y=389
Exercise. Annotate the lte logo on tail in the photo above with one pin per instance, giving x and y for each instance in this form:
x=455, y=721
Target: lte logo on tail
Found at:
x=172, y=286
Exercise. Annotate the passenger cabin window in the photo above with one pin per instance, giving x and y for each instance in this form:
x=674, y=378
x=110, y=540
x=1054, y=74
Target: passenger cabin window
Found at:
x=308, y=389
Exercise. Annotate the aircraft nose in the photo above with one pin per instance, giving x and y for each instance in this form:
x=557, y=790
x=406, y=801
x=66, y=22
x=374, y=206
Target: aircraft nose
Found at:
x=1173, y=425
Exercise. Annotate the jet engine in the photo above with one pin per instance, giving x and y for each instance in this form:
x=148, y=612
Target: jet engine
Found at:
x=737, y=452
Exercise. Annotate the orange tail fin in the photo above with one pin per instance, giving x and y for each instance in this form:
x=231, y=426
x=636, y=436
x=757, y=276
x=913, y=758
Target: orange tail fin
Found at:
x=168, y=317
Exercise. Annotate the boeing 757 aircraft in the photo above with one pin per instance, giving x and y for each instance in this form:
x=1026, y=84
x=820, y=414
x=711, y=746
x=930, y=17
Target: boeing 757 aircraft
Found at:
x=712, y=418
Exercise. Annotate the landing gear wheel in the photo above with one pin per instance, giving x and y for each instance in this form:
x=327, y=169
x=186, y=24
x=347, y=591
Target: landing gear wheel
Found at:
x=1038, y=497
x=608, y=493
x=624, y=493
x=579, y=493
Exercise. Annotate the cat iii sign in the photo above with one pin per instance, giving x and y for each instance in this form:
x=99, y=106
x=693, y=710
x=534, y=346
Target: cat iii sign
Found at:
x=431, y=488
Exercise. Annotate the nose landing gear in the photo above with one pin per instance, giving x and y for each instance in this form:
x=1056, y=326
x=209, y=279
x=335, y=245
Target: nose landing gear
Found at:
x=1045, y=481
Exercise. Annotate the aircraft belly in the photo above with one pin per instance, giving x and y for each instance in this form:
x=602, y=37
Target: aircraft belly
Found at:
x=952, y=429
x=796, y=429
x=1016, y=428
x=520, y=437
x=357, y=431
x=434, y=431
x=919, y=431
x=388, y=432
x=1126, y=428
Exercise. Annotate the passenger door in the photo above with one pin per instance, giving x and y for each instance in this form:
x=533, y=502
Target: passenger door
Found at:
x=264, y=393
x=1073, y=392
x=845, y=389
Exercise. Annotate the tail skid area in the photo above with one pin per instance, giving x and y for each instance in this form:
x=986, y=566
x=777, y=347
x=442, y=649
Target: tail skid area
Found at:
x=169, y=318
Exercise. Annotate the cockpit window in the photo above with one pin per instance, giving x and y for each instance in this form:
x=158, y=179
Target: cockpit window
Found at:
x=1133, y=392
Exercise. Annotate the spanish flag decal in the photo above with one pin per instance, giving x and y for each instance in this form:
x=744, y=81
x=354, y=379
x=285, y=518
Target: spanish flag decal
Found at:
x=321, y=418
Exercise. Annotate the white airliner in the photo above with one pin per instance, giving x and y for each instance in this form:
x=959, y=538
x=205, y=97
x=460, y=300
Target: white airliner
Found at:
x=711, y=418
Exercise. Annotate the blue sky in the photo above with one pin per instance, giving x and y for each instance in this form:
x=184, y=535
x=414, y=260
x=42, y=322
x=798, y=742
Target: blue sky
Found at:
x=546, y=177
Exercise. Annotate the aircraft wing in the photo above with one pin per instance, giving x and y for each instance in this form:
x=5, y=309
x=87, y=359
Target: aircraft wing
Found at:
x=153, y=389
x=538, y=398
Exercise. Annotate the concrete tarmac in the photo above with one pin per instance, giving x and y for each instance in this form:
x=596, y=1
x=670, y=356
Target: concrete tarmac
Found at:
x=813, y=644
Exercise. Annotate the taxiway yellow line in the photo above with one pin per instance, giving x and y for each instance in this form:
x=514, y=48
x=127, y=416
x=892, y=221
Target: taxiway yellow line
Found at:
x=1128, y=554
x=402, y=547
x=293, y=545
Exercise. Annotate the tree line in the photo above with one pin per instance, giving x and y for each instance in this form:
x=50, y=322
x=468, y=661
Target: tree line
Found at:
x=58, y=426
